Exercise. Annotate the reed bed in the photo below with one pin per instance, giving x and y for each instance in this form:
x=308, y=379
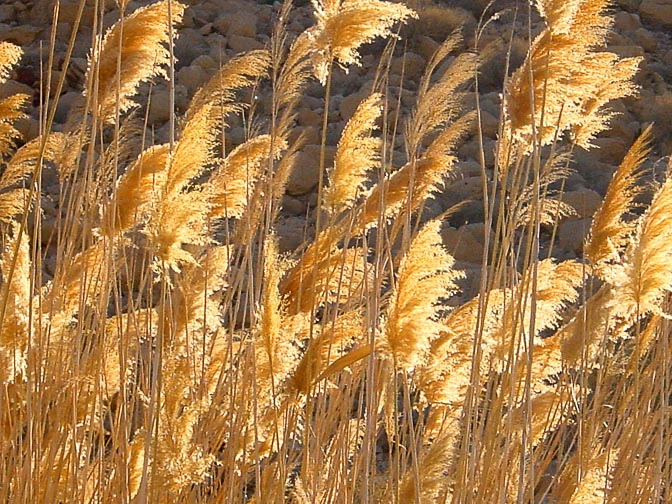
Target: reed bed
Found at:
x=176, y=356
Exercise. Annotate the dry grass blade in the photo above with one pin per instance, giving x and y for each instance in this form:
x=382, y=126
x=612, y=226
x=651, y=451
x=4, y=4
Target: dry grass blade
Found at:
x=581, y=337
x=131, y=52
x=238, y=73
x=24, y=161
x=272, y=309
x=80, y=280
x=324, y=355
x=272, y=188
x=338, y=272
x=291, y=79
x=426, y=483
x=357, y=154
x=419, y=178
x=276, y=353
x=587, y=477
x=439, y=103
x=194, y=311
x=155, y=346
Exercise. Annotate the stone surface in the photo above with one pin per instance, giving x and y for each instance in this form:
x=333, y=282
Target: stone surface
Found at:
x=656, y=12
x=626, y=21
x=291, y=233
x=349, y=104
x=411, y=65
x=584, y=201
x=12, y=87
x=572, y=234
x=7, y=13
x=191, y=77
x=645, y=39
x=159, y=107
x=305, y=175
x=240, y=23
x=466, y=242
x=240, y=43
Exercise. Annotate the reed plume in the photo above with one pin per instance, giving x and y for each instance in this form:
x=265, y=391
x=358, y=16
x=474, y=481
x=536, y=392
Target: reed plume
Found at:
x=426, y=274
x=233, y=182
x=646, y=278
x=10, y=55
x=132, y=51
x=339, y=273
x=609, y=230
x=194, y=309
x=11, y=110
x=207, y=115
x=292, y=71
x=10, y=107
x=417, y=179
x=15, y=297
x=357, y=154
x=349, y=372
x=588, y=478
x=136, y=189
x=325, y=348
x=344, y=25
x=439, y=99
x=564, y=83
x=426, y=483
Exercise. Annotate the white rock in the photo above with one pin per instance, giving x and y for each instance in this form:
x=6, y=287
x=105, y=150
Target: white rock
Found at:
x=159, y=106
x=411, y=64
x=12, y=87
x=646, y=39
x=609, y=150
x=291, y=233
x=308, y=117
x=7, y=13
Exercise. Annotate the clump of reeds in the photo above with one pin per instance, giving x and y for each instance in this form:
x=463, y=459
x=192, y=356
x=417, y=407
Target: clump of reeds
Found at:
x=176, y=356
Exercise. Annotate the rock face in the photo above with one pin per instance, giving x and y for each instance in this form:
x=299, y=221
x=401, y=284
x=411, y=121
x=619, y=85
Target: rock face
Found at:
x=657, y=12
x=214, y=31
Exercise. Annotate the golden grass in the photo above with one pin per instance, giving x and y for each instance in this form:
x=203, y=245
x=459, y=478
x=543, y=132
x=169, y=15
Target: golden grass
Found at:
x=174, y=355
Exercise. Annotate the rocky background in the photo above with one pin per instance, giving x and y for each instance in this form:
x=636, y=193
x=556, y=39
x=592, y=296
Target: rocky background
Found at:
x=215, y=30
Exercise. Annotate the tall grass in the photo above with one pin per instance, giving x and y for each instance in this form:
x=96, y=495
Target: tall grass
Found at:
x=174, y=355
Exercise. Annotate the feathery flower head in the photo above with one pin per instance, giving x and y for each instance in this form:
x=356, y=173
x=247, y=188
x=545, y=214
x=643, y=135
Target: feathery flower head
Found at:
x=344, y=25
